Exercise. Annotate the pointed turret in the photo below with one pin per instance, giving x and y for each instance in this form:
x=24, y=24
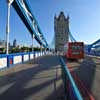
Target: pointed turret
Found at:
x=61, y=28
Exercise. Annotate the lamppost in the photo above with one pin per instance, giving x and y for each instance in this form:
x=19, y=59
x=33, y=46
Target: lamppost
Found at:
x=9, y=2
x=41, y=49
x=33, y=36
x=8, y=27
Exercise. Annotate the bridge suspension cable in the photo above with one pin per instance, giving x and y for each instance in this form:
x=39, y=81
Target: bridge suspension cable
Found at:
x=52, y=43
x=71, y=37
x=24, y=11
x=94, y=45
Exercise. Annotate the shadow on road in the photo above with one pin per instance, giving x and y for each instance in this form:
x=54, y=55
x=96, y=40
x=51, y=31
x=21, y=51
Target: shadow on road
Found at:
x=28, y=82
x=89, y=76
x=86, y=72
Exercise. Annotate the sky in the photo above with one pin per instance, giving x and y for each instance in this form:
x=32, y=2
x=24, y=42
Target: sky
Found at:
x=84, y=20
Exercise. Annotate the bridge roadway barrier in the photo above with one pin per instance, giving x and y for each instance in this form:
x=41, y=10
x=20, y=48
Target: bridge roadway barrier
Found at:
x=70, y=89
x=93, y=53
x=33, y=81
x=10, y=60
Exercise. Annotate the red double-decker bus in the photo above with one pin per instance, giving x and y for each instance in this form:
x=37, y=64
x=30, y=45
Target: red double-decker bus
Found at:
x=74, y=50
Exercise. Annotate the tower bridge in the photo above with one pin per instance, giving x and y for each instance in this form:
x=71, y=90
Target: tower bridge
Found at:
x=45, y=75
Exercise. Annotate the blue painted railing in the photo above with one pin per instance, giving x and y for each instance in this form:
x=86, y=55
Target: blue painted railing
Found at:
x=70, y=88
x=93, y=53
x=10, y=60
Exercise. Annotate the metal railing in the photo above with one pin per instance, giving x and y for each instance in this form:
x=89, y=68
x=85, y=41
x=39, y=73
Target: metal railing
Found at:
x=70, y=89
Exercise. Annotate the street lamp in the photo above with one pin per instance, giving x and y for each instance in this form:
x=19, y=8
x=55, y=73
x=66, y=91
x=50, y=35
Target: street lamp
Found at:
x=33, y=36
x=8, y=29
x=9, y=2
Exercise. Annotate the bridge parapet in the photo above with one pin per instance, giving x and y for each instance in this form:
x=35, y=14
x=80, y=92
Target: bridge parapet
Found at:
x=10, y=60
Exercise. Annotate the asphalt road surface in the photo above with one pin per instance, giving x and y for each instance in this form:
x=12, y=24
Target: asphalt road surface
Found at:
x=39, y=80
x=88, y=71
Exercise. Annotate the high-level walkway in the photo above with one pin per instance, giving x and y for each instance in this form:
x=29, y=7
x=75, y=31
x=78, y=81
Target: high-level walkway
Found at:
x=39, y=80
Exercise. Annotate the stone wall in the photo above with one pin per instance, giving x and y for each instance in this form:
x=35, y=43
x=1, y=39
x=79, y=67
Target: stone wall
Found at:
x=61, y=27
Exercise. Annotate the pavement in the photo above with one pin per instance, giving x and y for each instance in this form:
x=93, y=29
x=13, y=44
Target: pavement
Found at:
x=39, y=80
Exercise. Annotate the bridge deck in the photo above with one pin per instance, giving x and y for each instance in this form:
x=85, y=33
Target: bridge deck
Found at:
x=39, y=81
x=86, y=74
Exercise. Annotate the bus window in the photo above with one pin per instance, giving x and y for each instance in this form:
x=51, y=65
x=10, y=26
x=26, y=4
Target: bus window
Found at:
x=76, y=47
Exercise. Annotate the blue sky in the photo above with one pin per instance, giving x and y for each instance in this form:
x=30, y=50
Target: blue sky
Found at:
x=84, y=19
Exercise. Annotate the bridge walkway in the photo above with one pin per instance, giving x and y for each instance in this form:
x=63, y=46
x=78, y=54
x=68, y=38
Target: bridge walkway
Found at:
x=39, y=80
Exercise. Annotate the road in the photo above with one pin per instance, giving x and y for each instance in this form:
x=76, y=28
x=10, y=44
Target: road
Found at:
x=88, y=71
x=39, y=80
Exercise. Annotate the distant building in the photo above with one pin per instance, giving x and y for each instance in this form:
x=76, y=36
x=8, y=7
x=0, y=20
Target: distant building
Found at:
x=14, y=43
x=2, y=43
x=61, y=28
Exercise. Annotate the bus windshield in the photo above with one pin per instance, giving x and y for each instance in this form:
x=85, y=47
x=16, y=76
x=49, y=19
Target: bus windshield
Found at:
x=76, y=47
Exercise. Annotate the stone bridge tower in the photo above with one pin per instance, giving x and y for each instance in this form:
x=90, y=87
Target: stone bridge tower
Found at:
x=61, y=28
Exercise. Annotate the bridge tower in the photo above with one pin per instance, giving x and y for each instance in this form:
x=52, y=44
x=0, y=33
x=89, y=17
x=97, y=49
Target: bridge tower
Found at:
x=61, y=28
